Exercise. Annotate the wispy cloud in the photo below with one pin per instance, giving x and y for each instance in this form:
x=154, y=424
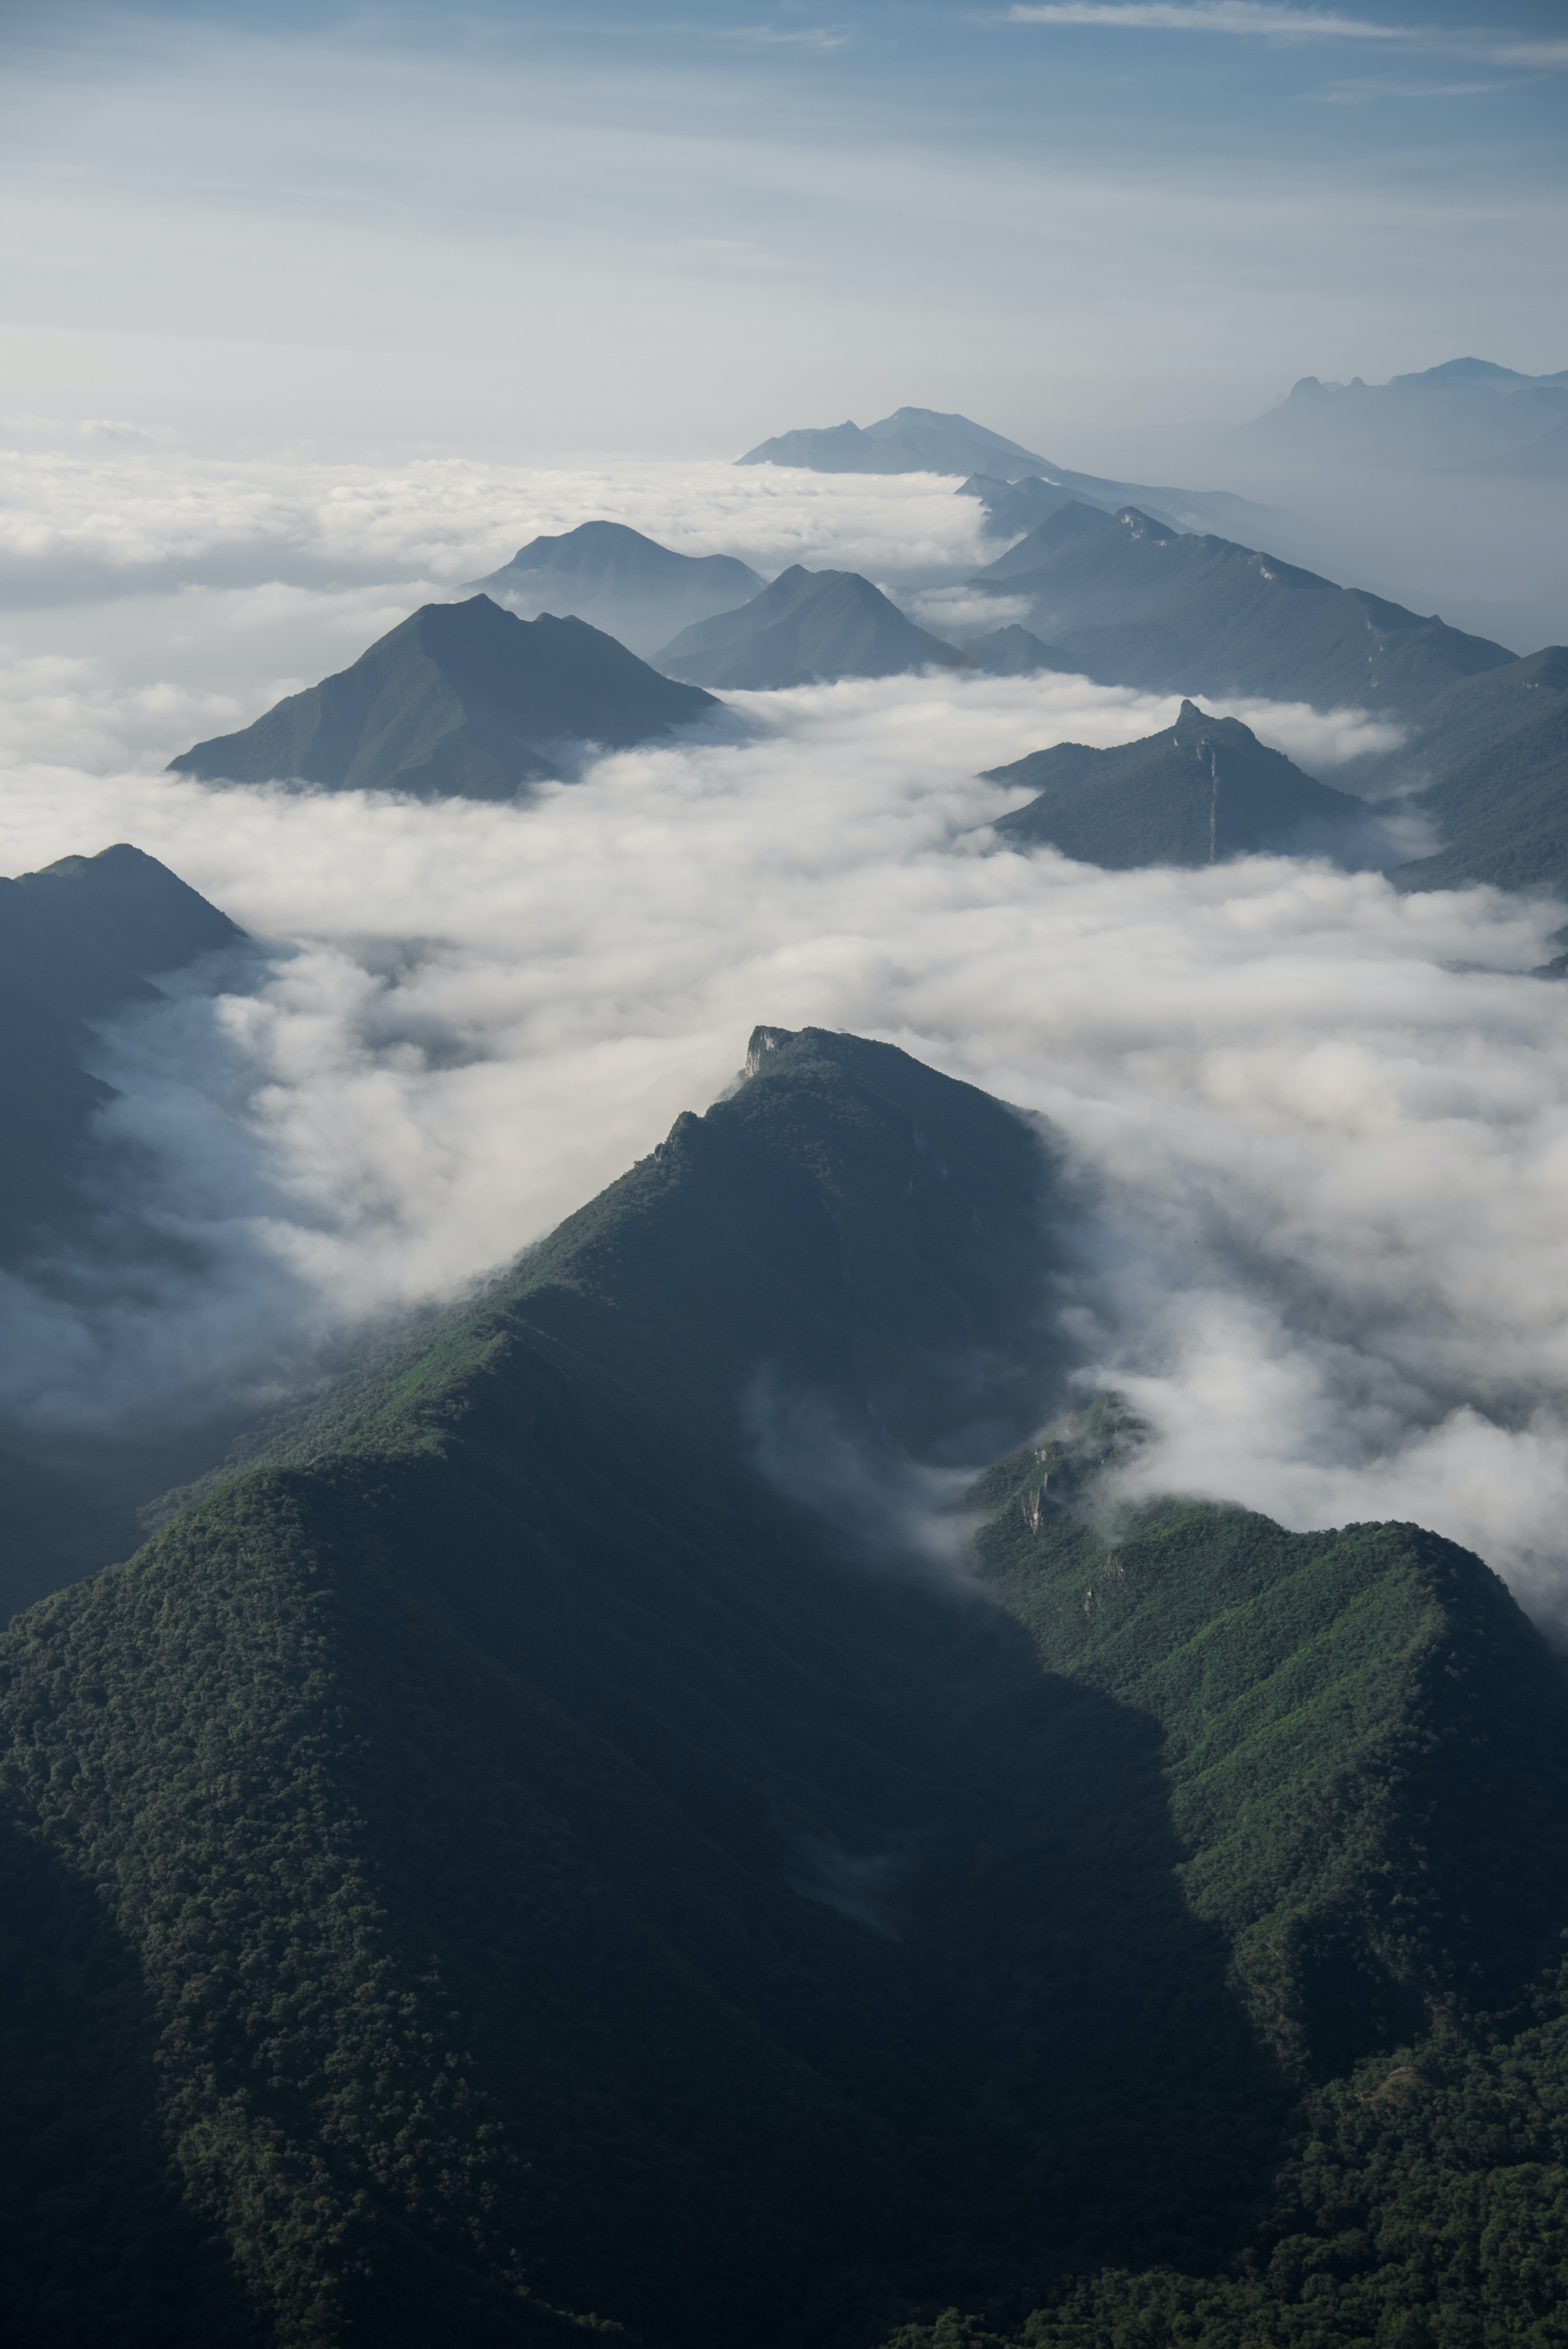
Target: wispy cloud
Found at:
x=1276, y=20
x=1256, y=18
x=805, y=36
x=1360, y=93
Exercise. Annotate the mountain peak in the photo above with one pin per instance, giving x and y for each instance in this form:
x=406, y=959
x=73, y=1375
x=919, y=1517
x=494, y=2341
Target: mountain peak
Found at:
x=458, y=700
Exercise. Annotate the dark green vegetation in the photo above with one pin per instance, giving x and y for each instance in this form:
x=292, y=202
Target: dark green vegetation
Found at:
x=1139, y=603
x=78, y=941
x=629, y=585
x=1468, y=415
x=807, y=627
x=1204, y=789
x=504, y=1864
x=1497, y=750
x=1363, y=1747
x=460, y=700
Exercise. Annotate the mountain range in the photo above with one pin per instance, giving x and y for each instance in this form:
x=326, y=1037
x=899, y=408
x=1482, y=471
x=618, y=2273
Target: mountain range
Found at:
x=919, y=440
x=547, y=1849
x=1136, y=603
x=460, y=700
x=1467, y=414
x=1201, y=790
x=807, y=627
x=629, y=585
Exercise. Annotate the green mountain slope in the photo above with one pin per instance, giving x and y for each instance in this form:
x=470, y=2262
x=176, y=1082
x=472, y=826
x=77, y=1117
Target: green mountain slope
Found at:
x=807, y=627
x=1139, y=603
x=1202, y=790
x=556, y=1842
x=457, y=700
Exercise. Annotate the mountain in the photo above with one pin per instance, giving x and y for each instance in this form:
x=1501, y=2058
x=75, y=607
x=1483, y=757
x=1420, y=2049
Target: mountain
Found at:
x=559, y=1845
x=458, y=702
x=918, y=441
x=1067, y=521
x=1418, y=2193
x=1489, y=767
x=1014, y=652
x=79, y=941
x=910, y=441
x=1204, y=789
x=807, y=627
x=1014, y=507
x=1468, y=413
x=1138, y=604
x=629, y=585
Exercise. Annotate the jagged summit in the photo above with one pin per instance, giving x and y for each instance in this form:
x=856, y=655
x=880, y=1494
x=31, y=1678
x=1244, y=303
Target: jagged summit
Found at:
x=1201, y=790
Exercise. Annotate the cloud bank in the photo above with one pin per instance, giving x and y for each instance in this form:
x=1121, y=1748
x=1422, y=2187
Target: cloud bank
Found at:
x=1325, y=1128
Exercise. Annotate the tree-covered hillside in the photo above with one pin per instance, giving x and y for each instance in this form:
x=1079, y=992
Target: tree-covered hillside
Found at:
x=565, y=1841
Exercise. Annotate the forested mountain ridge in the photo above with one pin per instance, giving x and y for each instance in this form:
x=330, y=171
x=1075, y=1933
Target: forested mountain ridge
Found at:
x=541, y=1845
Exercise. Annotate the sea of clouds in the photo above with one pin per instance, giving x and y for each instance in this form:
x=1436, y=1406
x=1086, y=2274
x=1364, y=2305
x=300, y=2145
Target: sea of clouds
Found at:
x=1322, y=1128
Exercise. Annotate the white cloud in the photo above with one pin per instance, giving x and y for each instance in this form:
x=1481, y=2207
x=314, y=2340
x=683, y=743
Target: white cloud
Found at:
x=1327, y=1126
x=1256, y=18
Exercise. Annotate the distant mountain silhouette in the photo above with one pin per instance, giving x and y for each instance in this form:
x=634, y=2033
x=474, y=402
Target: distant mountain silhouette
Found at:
x=1468, y=413
x=79, y=941
x=1204, y=789
x=808, y=626
x=1014, y=652
x=1140, y=603
x=910, y=441
x=460, y=700
x=1496, y=749
x=627, y=584
x=918, y=441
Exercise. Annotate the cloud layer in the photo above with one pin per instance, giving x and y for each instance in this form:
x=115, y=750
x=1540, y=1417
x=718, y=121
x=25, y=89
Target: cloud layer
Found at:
x=1324, y=1129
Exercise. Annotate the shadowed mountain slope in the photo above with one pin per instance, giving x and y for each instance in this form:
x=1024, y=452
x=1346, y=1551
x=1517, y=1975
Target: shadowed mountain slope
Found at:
x=807, y=627
x=517, y=1858
x=460, y=700
x=1503, y=813
x=1383, y=1677
x=79, y=941
x=1204, y=789
x=629, y=585
x=1138, y=604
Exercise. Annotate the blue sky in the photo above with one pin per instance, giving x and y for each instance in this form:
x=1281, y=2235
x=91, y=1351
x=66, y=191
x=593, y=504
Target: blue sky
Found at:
x=542, y=229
